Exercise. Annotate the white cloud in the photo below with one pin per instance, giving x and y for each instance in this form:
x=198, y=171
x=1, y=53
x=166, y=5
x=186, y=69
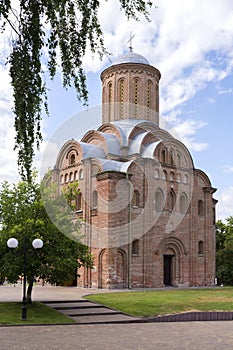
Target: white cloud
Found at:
x=186, y=130
x=211, y=100
x=223, y=91
x=225, y=204
x=8, y=159
x=190, y=42
x=46, y=158
x=228, y=168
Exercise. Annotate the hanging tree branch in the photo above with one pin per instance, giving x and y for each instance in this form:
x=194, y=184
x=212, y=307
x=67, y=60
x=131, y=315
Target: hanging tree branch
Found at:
x=73, y=25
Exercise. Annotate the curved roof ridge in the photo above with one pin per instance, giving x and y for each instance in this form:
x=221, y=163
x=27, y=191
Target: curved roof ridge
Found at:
x=110, y=165
x=148, y=150
x=136, y=143
x=112, y=141
x=126, y=127
x=112, y=129
x=130, y=57
x=90, y=150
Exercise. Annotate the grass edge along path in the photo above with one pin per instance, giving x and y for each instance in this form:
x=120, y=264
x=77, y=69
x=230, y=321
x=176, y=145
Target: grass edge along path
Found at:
x=163, y=302
x=37, y=313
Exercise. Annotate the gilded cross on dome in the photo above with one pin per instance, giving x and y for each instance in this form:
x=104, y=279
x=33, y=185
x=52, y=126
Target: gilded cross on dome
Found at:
x=130, y=42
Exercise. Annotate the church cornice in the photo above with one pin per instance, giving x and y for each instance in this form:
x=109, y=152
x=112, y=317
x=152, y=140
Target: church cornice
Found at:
x=210, y=190
x=110, y=175
x=124, y=68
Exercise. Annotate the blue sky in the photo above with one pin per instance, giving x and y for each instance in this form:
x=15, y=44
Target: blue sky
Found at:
x=191, y=43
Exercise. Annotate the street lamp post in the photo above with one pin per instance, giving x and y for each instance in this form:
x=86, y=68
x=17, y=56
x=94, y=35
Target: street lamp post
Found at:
x=37, y=244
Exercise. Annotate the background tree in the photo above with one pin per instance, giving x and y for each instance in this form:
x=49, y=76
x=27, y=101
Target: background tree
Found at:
x=62, y=31
x=23, y=216
x=224, y=251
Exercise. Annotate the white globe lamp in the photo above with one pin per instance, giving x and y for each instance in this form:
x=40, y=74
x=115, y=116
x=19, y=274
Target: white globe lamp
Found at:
x=12, y=243
x=37, y=243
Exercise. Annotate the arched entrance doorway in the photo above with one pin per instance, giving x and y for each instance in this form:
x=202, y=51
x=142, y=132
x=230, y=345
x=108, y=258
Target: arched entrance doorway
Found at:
x=112, y=269
x=171, y=251
x=169, y=263
x=102, y=270
x=167, y=270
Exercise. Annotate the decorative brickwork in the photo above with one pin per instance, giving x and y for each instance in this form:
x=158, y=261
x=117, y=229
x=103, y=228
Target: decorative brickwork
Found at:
x=148, y=213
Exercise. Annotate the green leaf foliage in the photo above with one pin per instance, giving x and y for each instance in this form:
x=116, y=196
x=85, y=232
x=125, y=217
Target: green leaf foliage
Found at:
x=24, y=217
x=50, y=34
x=224, y=251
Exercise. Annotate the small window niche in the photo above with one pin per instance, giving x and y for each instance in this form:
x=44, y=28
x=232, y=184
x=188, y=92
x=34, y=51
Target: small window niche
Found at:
x=159, y=201
x=135, y=199
x=94, y=200
x=156, y=174
x=200, y=248
x=79, y=203
x=72, y=159
x=135, y=247
x=200, y=208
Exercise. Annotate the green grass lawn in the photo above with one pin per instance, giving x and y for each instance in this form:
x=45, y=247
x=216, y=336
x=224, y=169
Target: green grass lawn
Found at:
x=37, y=313
x=161, y=302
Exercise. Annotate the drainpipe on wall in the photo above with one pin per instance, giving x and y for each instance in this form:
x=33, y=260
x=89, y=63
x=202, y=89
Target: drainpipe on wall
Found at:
x=129, y=234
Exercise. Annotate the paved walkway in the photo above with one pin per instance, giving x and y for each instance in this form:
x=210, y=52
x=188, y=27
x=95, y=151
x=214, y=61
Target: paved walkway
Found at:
x=87, y=312
x=138, y=336
x=46, y=292
x=69, y=301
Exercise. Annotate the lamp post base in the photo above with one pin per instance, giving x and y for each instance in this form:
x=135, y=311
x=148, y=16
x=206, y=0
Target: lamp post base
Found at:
x=24, y=312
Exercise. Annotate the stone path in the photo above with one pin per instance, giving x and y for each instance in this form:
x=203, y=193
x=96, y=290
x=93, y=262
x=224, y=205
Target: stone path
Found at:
x=106, y=336
x=87, y=312
x=69, y=300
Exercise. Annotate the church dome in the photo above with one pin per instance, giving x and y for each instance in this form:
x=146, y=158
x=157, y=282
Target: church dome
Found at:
x=131, y=57
x=130, y=89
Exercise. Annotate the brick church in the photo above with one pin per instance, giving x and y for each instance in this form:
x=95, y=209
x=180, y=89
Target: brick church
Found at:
x=148, y=213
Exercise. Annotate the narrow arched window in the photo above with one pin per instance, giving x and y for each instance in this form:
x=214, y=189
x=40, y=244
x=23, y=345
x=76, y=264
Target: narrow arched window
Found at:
x=72, y=159
x=71, y=177
x=164, y=175
x=171, y=200
x=183, y=204
x=178, y=178
x=214, y=218
x=135, y=247
x=81, y=174
x=79, y=202
x=136, y=94
x=178, y=159
x=122, y=97
x=148, y=102
x=94, y=199
x=62, y=179
x=200, y=248
x=76, y=175
x=66, y=178
x=157, y=96
x=110, y=99
x=159, y=200
x=171, y=157
x=200, y=208
x=136, y=199
x=171, y=177
x=163, y=156
x=156, y=174
x=185, y=178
